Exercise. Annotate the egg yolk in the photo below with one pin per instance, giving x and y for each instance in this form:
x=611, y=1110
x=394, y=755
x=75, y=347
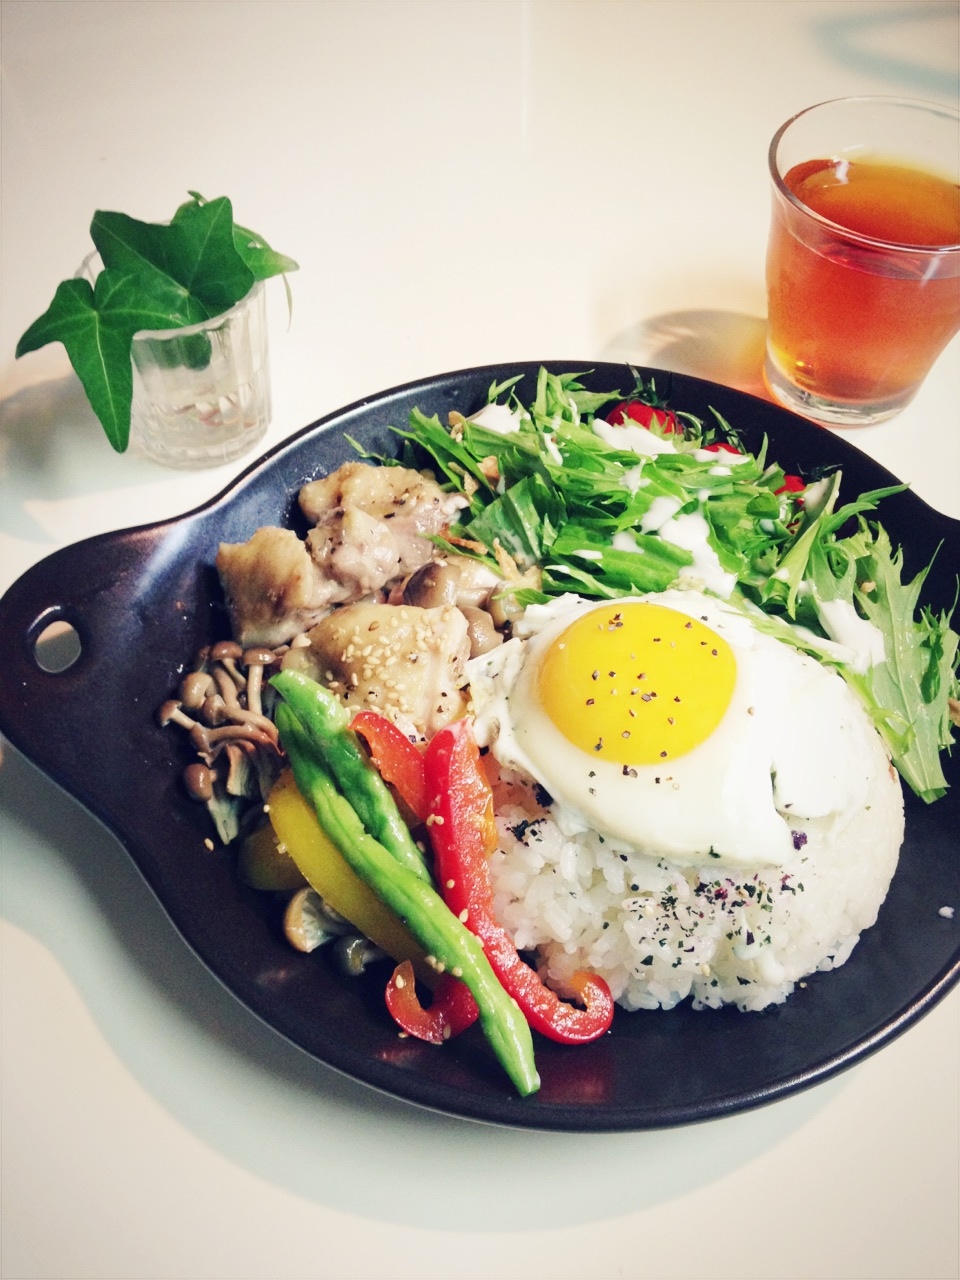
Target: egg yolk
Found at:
x=637, y=683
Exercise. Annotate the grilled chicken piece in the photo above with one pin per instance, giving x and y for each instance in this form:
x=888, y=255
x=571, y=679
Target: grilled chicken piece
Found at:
x=274, y=590
x=405, y=662
x=372, y=524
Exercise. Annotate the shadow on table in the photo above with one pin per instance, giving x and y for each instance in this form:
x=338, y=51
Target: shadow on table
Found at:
x=719, y=346
x=872, y=42
x=50, y=435
x=291, y=1119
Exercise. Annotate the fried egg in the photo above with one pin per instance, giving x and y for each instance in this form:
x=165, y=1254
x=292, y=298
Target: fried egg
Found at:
x=670, y=725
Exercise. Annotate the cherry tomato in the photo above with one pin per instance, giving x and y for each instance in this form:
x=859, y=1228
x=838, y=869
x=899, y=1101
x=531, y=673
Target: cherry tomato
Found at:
x=646, y=415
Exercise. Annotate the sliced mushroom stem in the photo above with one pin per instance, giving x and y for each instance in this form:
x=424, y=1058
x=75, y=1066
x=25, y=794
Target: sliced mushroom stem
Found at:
x=171, y=713
x=255, y=660
x=207, y=741
x=242, y=715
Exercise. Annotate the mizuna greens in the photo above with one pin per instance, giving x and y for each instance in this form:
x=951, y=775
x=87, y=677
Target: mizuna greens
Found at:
x=545, y=490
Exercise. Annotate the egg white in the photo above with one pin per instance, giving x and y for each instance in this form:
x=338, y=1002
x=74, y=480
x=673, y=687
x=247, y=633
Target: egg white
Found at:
x=793, y=746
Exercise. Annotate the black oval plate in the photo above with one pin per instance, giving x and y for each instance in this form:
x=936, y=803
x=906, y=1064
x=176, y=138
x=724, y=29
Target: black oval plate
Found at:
x=143, y=600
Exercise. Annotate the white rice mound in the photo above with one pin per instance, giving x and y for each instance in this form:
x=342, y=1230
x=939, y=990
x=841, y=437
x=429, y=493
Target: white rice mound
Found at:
x=659, y=933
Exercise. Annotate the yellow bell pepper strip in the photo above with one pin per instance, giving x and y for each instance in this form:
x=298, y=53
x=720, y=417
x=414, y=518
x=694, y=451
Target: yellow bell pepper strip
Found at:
x=463, y=834
x=397, y=760
x=264, y=863
x=451, y=947
x=451, y=1011
x=326, y=721
x=324, y=868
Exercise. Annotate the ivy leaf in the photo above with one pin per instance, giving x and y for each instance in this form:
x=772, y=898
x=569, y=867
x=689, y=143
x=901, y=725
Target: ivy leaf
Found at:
x=263, y=261
x=96, y=324
x=155, y=276
x=195, y=251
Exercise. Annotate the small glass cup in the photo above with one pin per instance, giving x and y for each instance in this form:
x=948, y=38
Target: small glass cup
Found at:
x=201, y=394
x=863, y=262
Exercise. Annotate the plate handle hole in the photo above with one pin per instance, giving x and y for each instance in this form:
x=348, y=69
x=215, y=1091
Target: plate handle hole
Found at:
x=57, y=647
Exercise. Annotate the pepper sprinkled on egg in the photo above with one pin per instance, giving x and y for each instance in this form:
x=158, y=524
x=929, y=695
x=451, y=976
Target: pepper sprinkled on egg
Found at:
x=665, y=684
x=662, y=722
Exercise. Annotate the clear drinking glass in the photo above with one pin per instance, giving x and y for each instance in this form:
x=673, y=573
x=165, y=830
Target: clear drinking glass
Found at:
x=201, y=394
x=863, y=263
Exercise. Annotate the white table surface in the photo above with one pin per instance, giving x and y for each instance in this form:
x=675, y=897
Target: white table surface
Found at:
x=462, y=183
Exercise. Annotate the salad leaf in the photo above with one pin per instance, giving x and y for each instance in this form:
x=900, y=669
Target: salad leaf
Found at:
x=595, y=517
x=155, y=276
x=903, y=691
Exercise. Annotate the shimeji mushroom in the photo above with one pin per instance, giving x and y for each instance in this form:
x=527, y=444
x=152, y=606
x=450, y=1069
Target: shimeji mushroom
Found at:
x=223, y=695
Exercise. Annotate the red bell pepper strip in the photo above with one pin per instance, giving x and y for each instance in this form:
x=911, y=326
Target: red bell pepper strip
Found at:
x=453, y=1008
x=451, y=1011
x=463, y=833
x=397, y=759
